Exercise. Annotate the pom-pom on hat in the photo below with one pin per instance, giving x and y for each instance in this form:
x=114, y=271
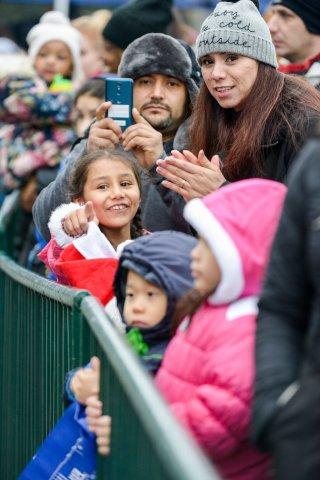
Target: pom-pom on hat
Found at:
x=237, y=27
x=54, y=26
x=139, y=17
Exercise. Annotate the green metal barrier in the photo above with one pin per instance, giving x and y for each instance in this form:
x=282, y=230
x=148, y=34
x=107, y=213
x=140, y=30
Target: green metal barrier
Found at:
x=146, y=442
x=8, y=212
x=42, y=336
x=47, y=329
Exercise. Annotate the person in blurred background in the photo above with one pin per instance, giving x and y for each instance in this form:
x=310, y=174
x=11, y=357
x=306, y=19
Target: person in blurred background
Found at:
x=92, y=48
x=86, y=101
x=295, y=31
x=35, y=112
x=13, y=60
x=131, y=21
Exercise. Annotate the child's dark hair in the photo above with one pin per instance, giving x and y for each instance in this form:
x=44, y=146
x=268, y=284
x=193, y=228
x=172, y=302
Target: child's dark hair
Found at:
x=95, y=87
x=79, y=176
x=186, y=306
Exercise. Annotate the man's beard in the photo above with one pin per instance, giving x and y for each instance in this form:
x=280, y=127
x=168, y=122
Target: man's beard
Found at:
x=161, y=124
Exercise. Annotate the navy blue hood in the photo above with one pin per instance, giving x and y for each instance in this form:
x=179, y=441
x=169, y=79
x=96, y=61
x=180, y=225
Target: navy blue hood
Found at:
x=161, y=258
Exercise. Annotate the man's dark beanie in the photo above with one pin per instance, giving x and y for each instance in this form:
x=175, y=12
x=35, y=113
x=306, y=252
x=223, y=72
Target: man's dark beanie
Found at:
x=160, y=53
x=137, y=18
x=307, y=10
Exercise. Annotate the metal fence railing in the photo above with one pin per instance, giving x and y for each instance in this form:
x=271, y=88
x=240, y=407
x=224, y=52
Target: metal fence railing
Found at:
x=46, y=330
x=8, y=212
x=42, y=336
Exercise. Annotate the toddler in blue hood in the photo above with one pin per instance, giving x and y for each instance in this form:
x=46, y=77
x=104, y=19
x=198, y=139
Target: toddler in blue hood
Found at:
x=153, y=273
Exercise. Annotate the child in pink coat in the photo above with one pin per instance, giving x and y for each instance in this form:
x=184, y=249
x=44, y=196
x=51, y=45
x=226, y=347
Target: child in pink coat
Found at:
x=208, y=368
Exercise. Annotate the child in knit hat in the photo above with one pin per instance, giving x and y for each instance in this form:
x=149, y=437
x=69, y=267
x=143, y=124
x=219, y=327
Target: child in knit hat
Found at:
x=35, y=113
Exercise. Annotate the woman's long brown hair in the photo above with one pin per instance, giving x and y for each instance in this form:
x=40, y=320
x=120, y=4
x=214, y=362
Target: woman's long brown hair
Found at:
x=278, y=106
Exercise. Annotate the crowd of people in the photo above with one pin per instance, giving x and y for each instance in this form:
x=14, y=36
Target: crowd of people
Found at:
x=197, y=227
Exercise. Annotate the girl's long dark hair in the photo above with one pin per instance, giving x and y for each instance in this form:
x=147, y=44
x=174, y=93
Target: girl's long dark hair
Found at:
x=186, y=307
x=278, y=105
x=79, y=176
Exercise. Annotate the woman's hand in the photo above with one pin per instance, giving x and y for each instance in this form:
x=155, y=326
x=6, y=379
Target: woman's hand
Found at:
x=191, y=176
x=76, y=223
x=85, y=381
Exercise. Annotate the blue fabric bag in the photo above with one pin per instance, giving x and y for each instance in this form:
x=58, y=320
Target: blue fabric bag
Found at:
x=68, y=453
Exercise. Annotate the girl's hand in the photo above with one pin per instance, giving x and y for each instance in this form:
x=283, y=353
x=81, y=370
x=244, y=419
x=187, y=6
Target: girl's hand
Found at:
x=85, y=382
x=76, y=223
x=191, y=176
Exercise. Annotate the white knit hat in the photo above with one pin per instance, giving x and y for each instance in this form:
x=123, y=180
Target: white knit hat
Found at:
x=55, y=26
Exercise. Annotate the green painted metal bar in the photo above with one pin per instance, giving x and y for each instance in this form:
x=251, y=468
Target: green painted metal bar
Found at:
x=8, y=212
x=47, y=329
x=147, y=442
x=42, y=335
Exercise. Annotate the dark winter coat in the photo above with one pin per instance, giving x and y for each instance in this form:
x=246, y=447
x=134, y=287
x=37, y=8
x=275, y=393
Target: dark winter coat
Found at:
x=288, y=333
x=163, y=259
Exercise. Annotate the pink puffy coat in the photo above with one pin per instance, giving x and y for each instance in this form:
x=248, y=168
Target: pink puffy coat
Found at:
x=208, y=368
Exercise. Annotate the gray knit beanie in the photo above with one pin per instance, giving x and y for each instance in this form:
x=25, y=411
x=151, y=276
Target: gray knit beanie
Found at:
x=237, y=27
x=160, y=53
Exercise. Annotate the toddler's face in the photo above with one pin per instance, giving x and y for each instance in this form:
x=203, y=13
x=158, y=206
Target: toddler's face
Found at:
x=145, y=304
x=204, y=268
x=53, y=58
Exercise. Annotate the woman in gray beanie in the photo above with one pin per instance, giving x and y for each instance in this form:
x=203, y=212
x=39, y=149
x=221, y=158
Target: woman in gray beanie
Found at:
x=249, y=119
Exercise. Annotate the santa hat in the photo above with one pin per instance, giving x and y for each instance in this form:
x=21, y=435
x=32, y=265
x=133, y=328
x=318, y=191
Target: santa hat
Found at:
x=88, y=262
x=55, y=26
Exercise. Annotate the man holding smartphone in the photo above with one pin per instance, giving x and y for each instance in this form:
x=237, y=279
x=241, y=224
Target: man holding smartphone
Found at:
x=165, y=75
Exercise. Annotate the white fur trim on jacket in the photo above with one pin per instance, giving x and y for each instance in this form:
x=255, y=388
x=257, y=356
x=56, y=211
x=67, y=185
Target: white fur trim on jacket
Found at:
x=55, y=223
x=223, y=248
x=243, y=307
x=94, y=244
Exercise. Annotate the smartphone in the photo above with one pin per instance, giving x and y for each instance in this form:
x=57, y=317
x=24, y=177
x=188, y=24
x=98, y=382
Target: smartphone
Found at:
x=119, y=91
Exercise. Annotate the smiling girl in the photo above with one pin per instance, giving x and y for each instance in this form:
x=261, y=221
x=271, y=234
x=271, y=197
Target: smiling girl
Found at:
x=104, y=213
